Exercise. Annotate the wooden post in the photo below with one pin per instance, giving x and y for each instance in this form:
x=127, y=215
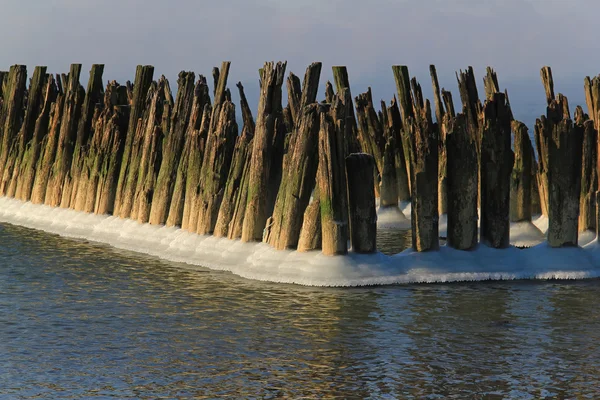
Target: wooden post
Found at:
x=128, y=205
x=146, y=182
x=3, y=79
x=35, y=101
x=235, y=181
x=269, y=112
x=68, y=131
x=331, y=179
x=154, y=107
x=12, y=114
x=442, y=157
x=201, y=98
x=370, y=129
x=40, y=132
x=310, y=234
x=402, y=174
x=422, y=135
x=496, y=166
x=149, y=151
x=106, y=155
x=193, y=183
x=48, y=152
x=294, y=89
x=589, y=177
x=340, y=78
x=536, y=204
x=448, y=103
x=472, y=109
x=361, y=198
x=329, y=93
x=300, y=166
x=370, y=133
x=239, y=211
x=402, y=78
x=490, y=83
x=462, y=184
x=592, y=91
x=521, y=178
x=470, y=100
x=542, y=142
x=172, y=148
x=143, y=79
x=592, y=98
x=388, y=196
x=590, y=162
x=564, y=173
x=220, y=144
x=298, y=181
x=75, y=198
x=548, y=82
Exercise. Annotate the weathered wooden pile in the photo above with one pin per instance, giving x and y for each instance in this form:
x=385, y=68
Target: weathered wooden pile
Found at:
x=305, y=175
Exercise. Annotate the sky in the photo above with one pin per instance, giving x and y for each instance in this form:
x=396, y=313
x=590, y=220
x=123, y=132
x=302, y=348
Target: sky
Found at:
x=516, y=37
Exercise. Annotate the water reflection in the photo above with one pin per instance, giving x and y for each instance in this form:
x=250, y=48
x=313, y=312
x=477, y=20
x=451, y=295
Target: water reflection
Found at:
x=393, y=241
x=82, y=320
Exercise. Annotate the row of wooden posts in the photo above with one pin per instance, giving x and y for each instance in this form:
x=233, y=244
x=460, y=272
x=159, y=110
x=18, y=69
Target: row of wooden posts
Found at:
x=304, y=176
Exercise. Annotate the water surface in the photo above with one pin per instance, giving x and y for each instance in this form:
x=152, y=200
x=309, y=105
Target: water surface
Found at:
x=81, y=320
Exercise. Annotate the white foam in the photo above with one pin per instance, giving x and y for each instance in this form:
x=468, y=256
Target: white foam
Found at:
x=541, y=221
x=406, y=208
x=259, y=261
x=391, y=218
x=525, y=234
x=586, y=237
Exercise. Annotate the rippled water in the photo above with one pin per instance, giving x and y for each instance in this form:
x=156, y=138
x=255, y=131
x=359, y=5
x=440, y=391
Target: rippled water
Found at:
x=80, y=320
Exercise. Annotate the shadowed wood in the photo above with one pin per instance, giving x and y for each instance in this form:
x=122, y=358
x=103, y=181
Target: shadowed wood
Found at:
x=497, y=160
x=564, y=173
x=394, y=121
x=361, y=200
x=462, y=184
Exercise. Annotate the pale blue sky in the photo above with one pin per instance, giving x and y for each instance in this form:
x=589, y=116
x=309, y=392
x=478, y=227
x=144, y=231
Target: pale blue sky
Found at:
x=516, y=37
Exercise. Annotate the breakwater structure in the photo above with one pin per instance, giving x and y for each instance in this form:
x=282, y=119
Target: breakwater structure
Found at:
x=302, y=178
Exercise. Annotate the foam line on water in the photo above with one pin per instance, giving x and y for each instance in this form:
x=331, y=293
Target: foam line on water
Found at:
x=259, y=261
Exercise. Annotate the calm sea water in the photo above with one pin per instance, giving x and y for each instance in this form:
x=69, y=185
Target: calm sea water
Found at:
x=81, y=320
